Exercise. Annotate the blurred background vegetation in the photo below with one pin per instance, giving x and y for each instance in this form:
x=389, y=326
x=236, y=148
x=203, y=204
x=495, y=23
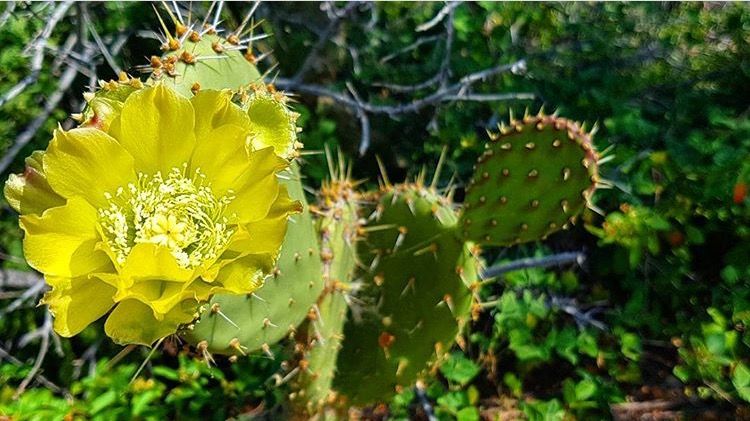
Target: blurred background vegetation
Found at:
x=652, y=323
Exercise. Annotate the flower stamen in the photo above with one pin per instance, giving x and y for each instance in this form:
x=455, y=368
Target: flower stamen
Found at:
x=179, y=212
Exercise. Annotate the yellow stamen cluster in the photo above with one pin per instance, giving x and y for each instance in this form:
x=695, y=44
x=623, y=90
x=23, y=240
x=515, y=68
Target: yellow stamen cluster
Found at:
x=178, y=211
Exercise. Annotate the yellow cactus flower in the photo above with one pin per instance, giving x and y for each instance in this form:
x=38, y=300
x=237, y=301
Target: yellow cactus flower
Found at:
x=145, y=221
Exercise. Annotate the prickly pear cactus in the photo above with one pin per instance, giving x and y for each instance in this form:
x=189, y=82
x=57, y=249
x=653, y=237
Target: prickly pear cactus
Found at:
x=535, y=176
x=361, y=341
x=234, y=325
x=416, y=291
x=338, y=224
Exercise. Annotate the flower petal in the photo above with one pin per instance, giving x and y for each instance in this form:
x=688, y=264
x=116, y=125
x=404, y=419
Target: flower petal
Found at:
x=160, y=295
x=62, y=241
x=133, y=322
x=156, y=127
x=149, y=261
x=244, y=275
x=151, y=275
x=77, y=302
x=272, y=123
x=256, y=190
x=29, y=192
x=221, y=155
x=88, y=163
x=266, y=235
x=214, y=109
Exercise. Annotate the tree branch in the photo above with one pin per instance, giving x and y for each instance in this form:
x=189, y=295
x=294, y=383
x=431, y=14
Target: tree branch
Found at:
x=539, y=262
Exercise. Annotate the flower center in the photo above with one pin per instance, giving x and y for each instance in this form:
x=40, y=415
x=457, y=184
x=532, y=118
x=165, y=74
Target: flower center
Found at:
x=177, y=211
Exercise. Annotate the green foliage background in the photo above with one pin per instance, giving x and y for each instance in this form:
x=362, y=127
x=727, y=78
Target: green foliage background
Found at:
x=661, y=307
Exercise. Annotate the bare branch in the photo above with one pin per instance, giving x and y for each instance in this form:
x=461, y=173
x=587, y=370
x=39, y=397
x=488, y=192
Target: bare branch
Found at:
x=454, y=92
x=560, y=259
x=27, y=295
x=413, y=46
x=420, y=395
x=448, y=8
x=491, y=97
x=37, y=58
x=583, y=318
x=66, y=80
x=103, y=48
x=17, y=279
x=41, y=378
x=364, y=121
x=25, y=137
x=11, y=6
x=46, y=330
x=410, y=107
x=333, y=25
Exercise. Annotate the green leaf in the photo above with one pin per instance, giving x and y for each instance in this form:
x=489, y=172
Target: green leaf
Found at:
x=513, y=383
x=469, y=413
x=587, y=344
x=630, y=346
x=585, y=389
x=141, y=401
x=741, y=381
x=544, y=410
x=102, y=401
x=453, y=401
x=459, y=369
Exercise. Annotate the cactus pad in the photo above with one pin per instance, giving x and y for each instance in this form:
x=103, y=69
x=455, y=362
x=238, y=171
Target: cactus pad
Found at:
x=534, y=177
x=196, y=61
x=416, y=296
